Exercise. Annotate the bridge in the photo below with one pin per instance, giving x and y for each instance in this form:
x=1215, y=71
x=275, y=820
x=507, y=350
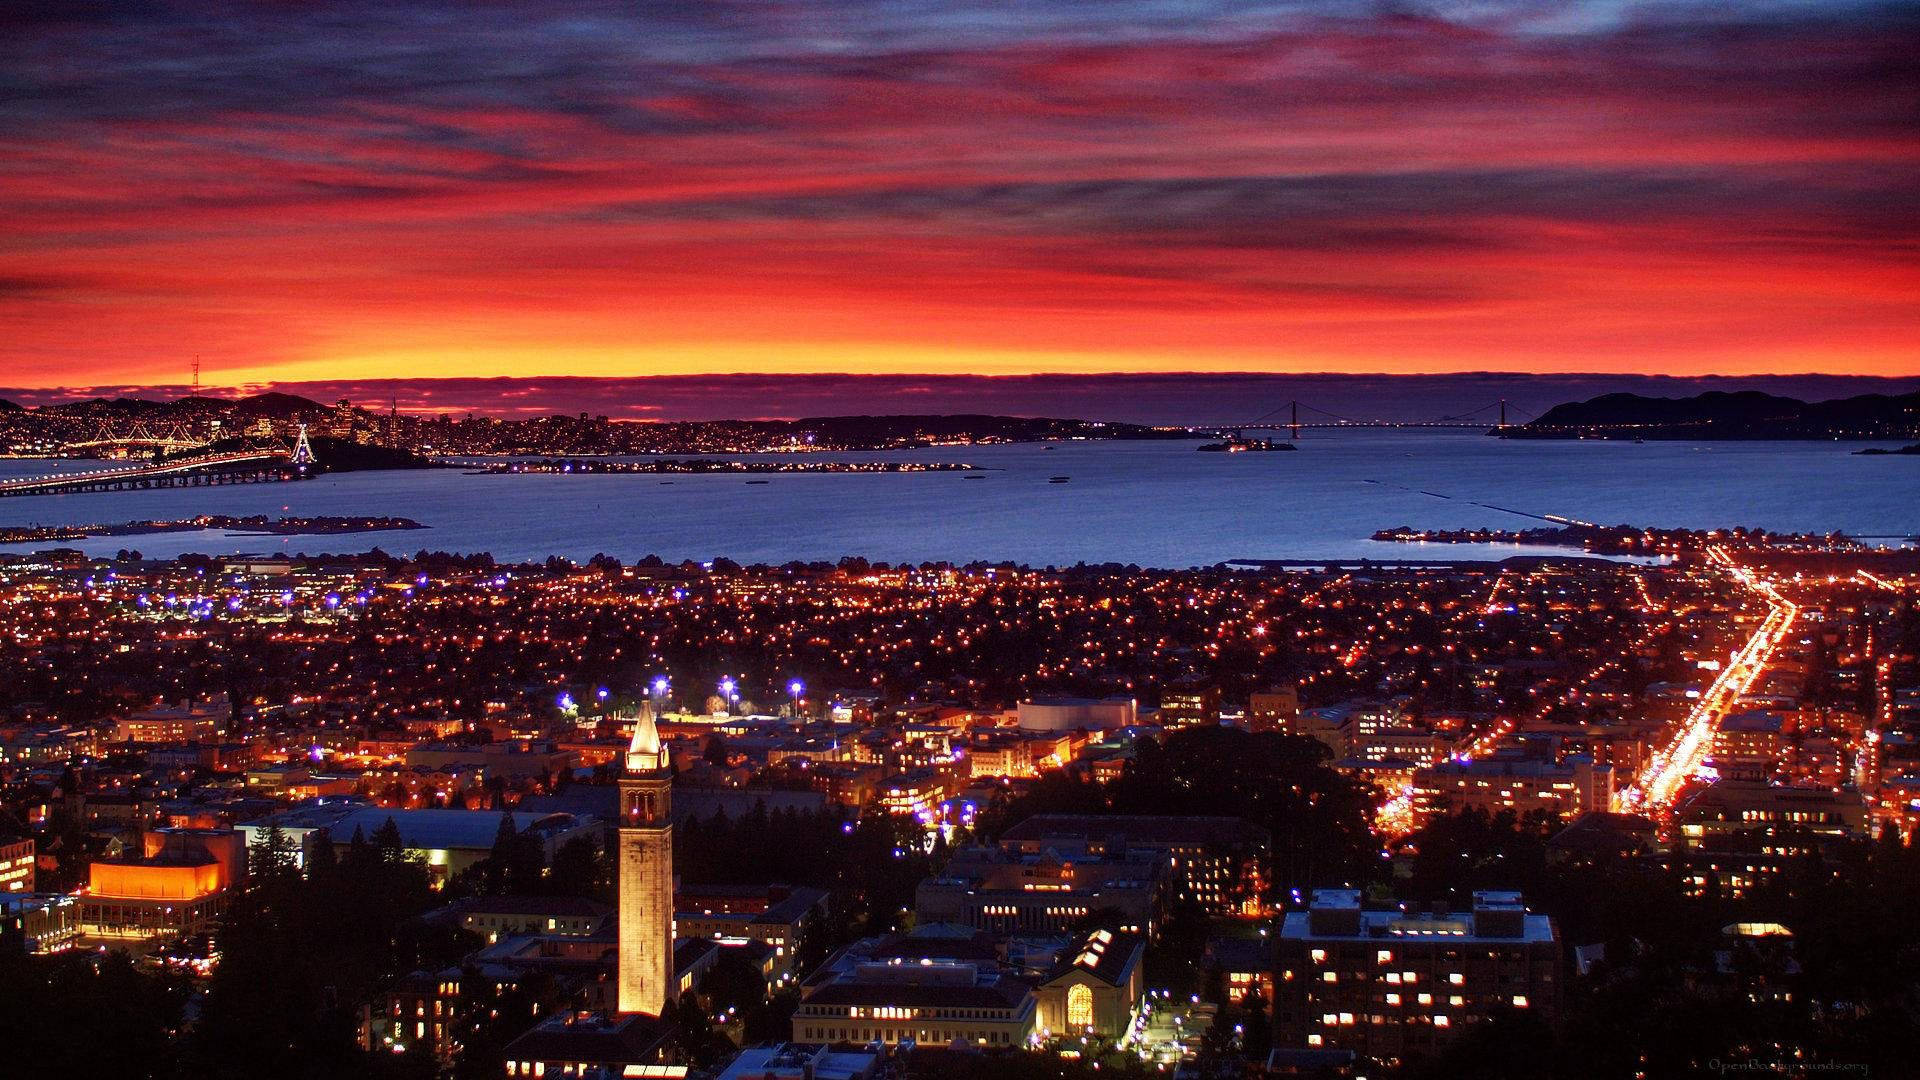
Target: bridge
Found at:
x=1489, y=417
x=139, y=436
x=252, y=465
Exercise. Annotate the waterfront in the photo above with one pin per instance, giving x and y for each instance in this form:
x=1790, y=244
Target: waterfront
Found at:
x=1150, y=503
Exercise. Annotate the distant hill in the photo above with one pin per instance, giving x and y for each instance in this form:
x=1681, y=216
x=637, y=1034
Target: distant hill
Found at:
x=273, y=405
x=9, y=406
x=1721, y=415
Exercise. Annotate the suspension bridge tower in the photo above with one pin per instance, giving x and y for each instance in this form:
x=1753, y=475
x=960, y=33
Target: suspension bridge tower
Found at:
x=303, y=450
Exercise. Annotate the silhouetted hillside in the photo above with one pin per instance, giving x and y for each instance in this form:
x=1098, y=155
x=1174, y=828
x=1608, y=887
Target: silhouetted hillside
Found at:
x=1720, y=415
x=336, y=455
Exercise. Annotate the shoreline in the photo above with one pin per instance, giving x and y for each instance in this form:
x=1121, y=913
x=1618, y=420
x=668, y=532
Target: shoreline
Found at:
x=250, y=526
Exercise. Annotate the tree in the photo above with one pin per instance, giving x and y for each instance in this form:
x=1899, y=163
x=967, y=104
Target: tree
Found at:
x=270, y=858
x=298, y=959
x=504, y=839
x=322, y=862
x=581, y=868
x=388, y=843
x=86, y=1014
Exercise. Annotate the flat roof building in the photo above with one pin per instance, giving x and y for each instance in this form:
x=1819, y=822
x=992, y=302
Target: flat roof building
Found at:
x=1068, y=713
x=1390, y=983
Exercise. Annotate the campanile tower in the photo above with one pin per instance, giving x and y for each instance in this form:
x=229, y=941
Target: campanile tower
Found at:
x=646, y=874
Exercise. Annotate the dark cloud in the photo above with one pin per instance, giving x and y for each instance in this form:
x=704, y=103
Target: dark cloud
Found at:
x=19, y=287
x=1387, y=210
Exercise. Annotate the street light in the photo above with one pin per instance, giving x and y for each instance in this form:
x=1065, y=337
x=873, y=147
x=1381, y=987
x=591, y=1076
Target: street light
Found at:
x=729, y=690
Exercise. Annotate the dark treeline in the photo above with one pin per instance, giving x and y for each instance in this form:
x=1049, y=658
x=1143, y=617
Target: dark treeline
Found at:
x=869, y=865
x=1317, y=818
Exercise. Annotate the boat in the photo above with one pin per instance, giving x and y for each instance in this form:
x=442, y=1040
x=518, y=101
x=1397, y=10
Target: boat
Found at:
x=759, y=481
x=1058, y=479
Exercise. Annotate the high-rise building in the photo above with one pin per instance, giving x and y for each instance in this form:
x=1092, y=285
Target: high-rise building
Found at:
x=646, y=875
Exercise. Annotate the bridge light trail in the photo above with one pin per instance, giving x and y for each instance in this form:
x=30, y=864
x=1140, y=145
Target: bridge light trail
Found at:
x=54, y=482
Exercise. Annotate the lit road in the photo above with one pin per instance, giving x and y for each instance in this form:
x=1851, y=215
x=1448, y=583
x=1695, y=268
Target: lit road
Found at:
x=1674, y=764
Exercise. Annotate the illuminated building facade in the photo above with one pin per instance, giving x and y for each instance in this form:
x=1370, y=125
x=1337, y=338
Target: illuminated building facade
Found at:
x=1519, y=784
x=45, y=922
x=932, y=1002
x=187, y=722
x=1215, y=862
x=1390, y=984
x=1273, y=709
x=1094, y=990
x=150, y=898
x=990, y=889
x=16, y=865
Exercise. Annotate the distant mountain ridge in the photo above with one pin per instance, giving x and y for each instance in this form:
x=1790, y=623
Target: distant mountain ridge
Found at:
x=1718, y=414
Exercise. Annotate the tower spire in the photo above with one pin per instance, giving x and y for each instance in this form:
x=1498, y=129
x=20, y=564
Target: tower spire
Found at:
x=302, y=449
x=643, y=754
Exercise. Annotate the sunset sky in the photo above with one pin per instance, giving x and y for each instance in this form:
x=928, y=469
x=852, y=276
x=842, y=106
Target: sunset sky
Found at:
x=384, y=189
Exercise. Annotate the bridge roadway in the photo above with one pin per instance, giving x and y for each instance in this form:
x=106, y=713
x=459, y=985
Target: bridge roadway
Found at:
x=1361, y=424
x=237, y=467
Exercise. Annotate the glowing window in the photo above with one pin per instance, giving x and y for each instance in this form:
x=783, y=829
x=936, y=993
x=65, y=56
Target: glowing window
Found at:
x=1079, y=1007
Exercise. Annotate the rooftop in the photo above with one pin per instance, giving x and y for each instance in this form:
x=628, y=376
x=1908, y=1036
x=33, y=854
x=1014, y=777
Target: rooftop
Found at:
x=591, y=1038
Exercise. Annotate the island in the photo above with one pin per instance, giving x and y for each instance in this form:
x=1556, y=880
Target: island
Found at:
x=254, y=525
x=1911, y=449
x=1718, y=415
x=1244, y=446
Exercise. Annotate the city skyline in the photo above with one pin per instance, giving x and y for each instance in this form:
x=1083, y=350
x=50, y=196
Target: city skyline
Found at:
x=370, y=192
